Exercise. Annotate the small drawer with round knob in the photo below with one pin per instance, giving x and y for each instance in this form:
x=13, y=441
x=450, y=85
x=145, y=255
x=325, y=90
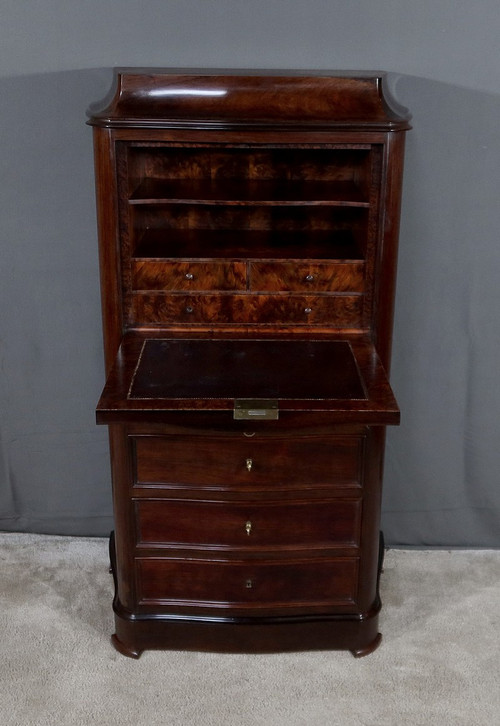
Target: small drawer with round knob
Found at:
x=177, y=276
x=339, y=310
x=307, y=277
x=165, y=308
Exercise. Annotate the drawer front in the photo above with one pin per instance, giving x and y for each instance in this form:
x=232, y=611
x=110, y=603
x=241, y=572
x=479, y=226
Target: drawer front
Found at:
x=248, y=525
x=246, y=584
x=225, y=462
x=181, y=309
x=188, y=276
x=304, y=277
x=341, y=311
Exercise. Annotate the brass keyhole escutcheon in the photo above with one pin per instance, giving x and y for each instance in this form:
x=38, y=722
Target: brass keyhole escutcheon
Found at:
x=248, y=584
x=249, y=464
x=248, y=528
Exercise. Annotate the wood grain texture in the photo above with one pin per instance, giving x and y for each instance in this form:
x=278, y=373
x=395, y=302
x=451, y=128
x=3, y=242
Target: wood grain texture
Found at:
x=188, y=276
x=306, y=277
x=339, y=311
x=152, y=98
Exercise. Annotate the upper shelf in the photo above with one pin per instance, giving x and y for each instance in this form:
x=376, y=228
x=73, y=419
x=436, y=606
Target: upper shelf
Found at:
x=159, y=98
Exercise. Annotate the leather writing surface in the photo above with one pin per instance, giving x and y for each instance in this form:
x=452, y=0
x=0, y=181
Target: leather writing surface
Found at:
x=207, y=369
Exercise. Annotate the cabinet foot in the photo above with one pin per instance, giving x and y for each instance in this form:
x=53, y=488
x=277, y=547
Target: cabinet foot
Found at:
x=124, y=649
x=361, y=652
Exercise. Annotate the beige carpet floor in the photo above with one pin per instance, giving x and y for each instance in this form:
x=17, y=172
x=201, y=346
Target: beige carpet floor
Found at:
x=439, y=663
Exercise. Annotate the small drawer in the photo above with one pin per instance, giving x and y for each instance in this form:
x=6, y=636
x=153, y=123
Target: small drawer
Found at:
x=181, y=309
x=248, y=525
x=305, y=277
x=240, y=584
x=188, y=276
x=338, y=311
x=226, y=462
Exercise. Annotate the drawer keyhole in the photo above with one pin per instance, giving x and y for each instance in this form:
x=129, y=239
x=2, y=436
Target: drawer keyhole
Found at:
x=249, y=464
x=248, y=528
x=248, y=584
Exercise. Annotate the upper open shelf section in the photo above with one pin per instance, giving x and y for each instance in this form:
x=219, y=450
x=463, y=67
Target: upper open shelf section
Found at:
x=239, y=176
x=245, y=202
x=238, y=202
x=223, y=99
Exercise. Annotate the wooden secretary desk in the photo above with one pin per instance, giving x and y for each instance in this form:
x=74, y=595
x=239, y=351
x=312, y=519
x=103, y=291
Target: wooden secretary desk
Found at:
x=248, y=228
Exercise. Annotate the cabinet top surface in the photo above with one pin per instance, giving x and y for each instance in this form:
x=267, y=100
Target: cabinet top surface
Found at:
x=160, y=98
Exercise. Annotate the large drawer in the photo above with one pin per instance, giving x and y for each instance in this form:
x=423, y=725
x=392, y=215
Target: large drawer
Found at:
x=248, y=462
x=248, y=525
x=245, y=584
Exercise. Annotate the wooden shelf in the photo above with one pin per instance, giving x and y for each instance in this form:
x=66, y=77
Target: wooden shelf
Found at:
x=248, y=193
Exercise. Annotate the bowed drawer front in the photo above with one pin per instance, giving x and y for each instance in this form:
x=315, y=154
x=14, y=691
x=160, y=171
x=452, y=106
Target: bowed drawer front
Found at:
x=244, y=585
x=249, y=461
x=249, y=526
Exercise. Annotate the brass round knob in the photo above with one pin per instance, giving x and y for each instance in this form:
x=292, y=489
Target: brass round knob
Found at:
x=189, y=309
x=309, y=278
x=308, y=311
x=189, y=275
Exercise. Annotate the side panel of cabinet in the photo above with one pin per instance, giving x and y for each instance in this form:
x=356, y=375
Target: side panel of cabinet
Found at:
x=386, y=264
x=110, y=256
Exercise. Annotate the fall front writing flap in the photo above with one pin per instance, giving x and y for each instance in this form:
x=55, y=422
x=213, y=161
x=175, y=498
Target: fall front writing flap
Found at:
x=154, y=375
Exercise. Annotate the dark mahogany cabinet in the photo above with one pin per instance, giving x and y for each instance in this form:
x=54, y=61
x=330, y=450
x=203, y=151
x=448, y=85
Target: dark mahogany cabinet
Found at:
x=248, y=229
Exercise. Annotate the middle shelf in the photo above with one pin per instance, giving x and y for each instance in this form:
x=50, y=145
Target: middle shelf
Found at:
x=246, y=192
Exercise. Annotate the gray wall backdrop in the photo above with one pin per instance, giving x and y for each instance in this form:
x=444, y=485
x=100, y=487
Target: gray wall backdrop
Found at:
x=442, y=464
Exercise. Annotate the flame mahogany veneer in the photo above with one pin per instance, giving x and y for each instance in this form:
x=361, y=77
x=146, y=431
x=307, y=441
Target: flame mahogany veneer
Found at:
x=248, y=231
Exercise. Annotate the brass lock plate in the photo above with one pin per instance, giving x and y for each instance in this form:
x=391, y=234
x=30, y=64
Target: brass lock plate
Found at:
x=256, y=409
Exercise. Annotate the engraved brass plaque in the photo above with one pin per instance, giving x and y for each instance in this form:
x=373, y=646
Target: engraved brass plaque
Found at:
x=256, y=409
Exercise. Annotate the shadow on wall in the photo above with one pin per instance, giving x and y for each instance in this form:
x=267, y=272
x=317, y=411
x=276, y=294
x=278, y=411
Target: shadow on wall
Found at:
x=54, y=470
x=441, y=464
